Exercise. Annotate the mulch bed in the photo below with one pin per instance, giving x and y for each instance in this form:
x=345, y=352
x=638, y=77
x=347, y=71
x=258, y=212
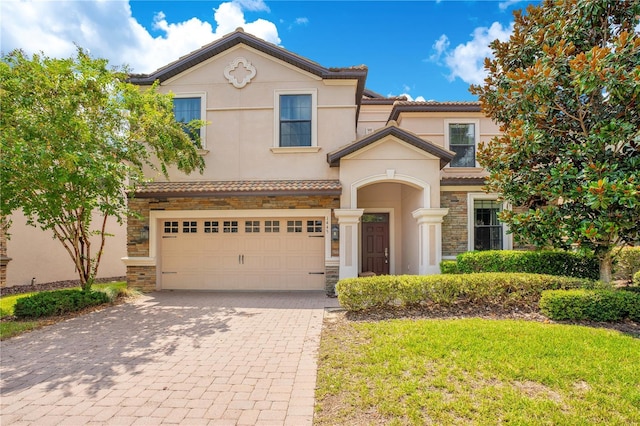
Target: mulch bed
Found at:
x=55, y=285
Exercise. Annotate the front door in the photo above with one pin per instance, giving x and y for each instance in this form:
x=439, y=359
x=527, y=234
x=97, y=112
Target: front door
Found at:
x=375, y=243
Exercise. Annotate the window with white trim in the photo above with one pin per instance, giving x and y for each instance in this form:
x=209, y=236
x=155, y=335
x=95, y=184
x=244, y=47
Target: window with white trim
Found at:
x=188, y=107
x=462, y=138
x=485, y=231
x=295, y=119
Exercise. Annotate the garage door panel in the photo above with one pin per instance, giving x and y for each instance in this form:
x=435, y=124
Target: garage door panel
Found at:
x=247, y=254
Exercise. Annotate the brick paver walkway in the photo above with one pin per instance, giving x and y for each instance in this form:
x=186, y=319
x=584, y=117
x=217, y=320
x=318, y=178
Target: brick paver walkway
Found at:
x=172, y=357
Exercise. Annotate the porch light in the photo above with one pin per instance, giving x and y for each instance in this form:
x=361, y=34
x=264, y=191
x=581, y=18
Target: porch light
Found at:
x=335, y=232
x=144, y=233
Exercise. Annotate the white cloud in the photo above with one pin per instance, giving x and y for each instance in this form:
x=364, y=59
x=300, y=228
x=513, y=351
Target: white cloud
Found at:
x=440, y=47
x=301, y=21
x=504, y=5
x=108, y=30
x=466, y=61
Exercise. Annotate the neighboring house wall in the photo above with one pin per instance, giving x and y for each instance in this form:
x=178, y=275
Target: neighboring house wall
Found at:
x=36, y=255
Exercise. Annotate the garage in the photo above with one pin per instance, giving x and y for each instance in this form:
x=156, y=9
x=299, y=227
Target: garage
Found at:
x=242, y=253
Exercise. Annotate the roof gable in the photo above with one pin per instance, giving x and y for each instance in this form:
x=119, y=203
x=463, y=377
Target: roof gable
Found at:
x=445, y=156
x=237, y=37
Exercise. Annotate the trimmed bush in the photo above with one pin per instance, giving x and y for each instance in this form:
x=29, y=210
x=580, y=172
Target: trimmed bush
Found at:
x=505, y=289
x=57, y=303
x=536, y=262
x=449, y=267
x=636, y=279
x=628, y=264
x=592, y=305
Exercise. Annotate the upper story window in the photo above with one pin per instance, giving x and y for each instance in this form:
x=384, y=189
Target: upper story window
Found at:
x=186, y=109
x=295, y=121
x=462, y=138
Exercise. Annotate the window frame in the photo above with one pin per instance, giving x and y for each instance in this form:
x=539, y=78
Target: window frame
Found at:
x=314, y=121
x=203, y=112
x=447, y=139
x=507, y=239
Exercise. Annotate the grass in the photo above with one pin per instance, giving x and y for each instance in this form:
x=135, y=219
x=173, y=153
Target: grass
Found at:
x=474, y=371
x=12, y=327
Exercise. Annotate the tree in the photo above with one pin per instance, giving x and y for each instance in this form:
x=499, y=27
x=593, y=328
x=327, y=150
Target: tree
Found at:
x=75, y=137
x=565, y=89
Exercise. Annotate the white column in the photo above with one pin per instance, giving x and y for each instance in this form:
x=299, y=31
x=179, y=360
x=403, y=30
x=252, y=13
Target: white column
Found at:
x=429, y=239
x=348, y=220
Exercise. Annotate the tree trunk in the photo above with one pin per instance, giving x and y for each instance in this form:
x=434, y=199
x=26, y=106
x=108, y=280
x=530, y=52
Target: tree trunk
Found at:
x=605, y=267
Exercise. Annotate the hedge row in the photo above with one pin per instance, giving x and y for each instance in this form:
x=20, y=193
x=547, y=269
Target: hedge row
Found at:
x=541, y=262
x=59, y=302
x=593, y=305
x=505, y=289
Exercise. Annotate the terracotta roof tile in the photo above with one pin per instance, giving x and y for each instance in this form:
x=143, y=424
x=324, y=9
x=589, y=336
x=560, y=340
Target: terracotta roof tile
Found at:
x=239, y=187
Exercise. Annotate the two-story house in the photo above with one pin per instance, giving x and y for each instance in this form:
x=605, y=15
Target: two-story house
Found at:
x=309, y=178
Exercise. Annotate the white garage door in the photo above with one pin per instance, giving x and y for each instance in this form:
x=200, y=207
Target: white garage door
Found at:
x=242, y=254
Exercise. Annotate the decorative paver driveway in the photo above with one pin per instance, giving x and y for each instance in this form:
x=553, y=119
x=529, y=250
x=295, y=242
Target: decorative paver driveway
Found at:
x=171, y=357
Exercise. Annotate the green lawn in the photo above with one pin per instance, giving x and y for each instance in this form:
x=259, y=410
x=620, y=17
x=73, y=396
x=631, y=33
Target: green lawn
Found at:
x=10, y=328
x=475, y=371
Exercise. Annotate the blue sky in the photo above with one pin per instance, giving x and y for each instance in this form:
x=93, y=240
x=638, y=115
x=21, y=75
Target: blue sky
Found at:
x=428, y=50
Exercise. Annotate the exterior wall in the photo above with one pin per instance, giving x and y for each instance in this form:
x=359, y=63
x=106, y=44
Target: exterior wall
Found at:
x=35, y=254
x=454, y=227
x=372, y=118
x=394, y=161
x=411, y=200
x=241, y=135
x=144, y=277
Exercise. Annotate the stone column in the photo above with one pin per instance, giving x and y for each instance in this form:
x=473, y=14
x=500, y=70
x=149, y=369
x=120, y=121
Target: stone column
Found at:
x=429, y=239
x=348, y=220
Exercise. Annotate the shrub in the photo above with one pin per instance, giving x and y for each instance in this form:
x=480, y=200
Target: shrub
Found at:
x=536, y=262
x=593, y=305
x=505, y=289
x=57, y=302
x=449, y=267
x=628, y=264
x=636, y=279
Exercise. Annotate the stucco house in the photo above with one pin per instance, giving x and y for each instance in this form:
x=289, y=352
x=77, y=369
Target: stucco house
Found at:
x=309, y=178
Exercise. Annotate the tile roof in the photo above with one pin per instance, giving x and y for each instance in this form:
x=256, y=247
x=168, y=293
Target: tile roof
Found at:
x=430, y=106
x=239, y=187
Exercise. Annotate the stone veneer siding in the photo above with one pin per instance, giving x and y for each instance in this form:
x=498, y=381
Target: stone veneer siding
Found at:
x=454, y=225
x=144, y=277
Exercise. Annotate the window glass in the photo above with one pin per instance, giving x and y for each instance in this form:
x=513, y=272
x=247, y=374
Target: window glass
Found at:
x=171, y=227
x=462, y=141
x=272, y=226
x=186, y=110
x=314, y=226
x=189, y=227
x=487, y=228
x=230, y=226
x=252, y=226
x=295, y=120
x=294, y=226
x=211, y=227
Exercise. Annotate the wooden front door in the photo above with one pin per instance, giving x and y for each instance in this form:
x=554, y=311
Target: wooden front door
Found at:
x=375, y=243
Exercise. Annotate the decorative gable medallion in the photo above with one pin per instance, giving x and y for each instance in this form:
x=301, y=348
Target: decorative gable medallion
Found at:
x=240, y=72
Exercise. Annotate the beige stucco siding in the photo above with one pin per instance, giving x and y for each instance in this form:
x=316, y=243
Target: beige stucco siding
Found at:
x=242, y=133
x=35, y=254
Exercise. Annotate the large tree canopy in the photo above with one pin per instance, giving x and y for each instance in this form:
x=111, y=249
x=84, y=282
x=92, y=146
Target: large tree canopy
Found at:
x=75, y=136
x=565, y=89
